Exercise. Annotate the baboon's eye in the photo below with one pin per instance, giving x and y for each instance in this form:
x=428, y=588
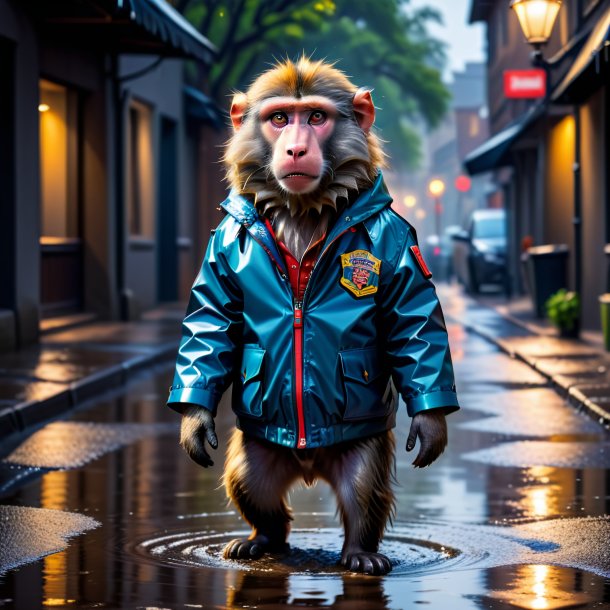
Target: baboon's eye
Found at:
x=278, y=119
x=317, y=117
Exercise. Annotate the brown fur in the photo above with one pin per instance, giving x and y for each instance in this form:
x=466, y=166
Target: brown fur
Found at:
x=195, y=421
x=352, y=156
x=360, y=473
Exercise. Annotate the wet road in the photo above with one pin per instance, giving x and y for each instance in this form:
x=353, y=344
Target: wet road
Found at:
x=510, y=516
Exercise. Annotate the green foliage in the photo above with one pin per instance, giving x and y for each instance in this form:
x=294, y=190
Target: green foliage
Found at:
x=563, y=309
x=381, y=44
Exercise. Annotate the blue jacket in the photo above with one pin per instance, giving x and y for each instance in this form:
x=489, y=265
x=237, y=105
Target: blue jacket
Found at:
x=321, y=371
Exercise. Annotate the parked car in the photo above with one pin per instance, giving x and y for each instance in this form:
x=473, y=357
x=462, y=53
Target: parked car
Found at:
x=479, y=252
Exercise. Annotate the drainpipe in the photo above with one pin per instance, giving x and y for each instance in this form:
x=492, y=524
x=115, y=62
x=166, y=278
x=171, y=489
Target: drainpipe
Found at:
x=118, y=99
x=577, y=220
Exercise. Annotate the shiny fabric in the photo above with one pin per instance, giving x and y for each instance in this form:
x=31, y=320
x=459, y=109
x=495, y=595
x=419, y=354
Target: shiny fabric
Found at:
x=356, y=350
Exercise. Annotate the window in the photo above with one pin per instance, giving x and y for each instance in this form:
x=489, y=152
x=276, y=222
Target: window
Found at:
x=473, y=125
x=140, y=171
x=58, y=113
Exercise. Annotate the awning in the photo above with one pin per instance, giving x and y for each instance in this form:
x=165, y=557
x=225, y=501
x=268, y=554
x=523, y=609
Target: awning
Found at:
x=495, y=152
x=162, y=21
x=591, y=67
x=479, y=10
x=124, y=26
x=199, y=106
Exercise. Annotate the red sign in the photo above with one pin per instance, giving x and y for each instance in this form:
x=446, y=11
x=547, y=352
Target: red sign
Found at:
x=524, y=83
x=462, y=184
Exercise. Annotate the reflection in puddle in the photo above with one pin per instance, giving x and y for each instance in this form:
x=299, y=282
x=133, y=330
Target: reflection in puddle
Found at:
x=247, y=590
x=540, y=587
x=74, y=444
x=539, y=497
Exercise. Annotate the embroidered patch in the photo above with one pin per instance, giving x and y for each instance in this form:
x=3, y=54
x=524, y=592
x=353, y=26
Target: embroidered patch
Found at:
x=360, y=272
x=421, y=262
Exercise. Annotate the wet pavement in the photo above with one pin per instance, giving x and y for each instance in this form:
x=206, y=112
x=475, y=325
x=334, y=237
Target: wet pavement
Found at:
x=41, y=382
x=103, y=510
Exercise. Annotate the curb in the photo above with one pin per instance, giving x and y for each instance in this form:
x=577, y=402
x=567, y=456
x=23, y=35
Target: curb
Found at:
x=17, y=419
x=561, y=384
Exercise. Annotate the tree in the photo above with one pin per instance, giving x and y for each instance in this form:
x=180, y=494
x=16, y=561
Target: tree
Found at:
x=382, y=44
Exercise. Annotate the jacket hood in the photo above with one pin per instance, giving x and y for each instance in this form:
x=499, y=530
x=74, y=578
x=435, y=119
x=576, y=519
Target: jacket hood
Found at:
x=367, y=204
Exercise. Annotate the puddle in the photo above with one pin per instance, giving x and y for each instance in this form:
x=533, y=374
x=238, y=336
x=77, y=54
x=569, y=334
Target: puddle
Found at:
x=415, y=548
x=313, y=551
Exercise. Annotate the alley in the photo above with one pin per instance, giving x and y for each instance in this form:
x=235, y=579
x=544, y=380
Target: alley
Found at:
x=511, y=515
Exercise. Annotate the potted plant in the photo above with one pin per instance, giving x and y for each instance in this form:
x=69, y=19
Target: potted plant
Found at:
x=563, y=309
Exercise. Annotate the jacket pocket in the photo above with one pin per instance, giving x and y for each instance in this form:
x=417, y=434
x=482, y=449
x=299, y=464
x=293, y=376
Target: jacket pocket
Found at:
x=251, y=376
x=363, y=383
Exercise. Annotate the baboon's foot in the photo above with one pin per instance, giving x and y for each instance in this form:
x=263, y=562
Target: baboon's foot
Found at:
x=253, y=548
x=364, y=562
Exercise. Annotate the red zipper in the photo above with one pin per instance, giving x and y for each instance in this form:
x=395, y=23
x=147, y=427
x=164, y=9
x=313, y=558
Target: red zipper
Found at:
x=298, y=357
x=298, y=369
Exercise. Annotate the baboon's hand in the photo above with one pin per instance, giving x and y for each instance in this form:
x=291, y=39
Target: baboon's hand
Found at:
x=431, y=428
x=198, y=426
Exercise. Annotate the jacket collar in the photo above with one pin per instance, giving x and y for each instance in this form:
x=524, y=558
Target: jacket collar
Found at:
x=367, y=204
x=245, y=213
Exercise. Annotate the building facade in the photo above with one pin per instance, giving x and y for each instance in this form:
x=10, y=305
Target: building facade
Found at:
x=101, y=147
x=550, y=156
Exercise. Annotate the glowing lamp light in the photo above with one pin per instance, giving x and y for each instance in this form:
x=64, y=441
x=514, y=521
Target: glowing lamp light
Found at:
x=43, y=107
x=436, y=187
x=536, y=18
x=410, y=201
x=420, y=214
x=462, y=184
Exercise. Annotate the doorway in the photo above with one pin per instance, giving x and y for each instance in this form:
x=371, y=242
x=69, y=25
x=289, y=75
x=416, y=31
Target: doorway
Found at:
x=61, y=281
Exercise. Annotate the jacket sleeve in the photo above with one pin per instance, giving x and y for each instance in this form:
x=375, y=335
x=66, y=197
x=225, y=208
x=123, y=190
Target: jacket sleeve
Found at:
x=210, y=331
x=416, y=338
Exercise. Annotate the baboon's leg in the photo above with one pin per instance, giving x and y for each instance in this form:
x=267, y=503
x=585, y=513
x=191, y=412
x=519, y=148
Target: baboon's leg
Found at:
x=257, y=477
x=361, y=474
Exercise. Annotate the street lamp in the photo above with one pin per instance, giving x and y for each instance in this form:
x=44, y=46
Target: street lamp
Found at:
x=436, y=188
x=536, y=18
x=410, y=201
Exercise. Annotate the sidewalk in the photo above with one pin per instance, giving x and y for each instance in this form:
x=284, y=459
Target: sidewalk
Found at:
x=579, y=370
x=42, y=382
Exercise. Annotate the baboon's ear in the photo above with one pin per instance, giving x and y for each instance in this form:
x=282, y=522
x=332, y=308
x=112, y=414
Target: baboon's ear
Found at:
x=364, y=109
x=238, y=109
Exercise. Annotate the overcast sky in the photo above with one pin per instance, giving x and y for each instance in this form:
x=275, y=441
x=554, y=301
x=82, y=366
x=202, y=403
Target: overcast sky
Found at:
x=465, y=42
